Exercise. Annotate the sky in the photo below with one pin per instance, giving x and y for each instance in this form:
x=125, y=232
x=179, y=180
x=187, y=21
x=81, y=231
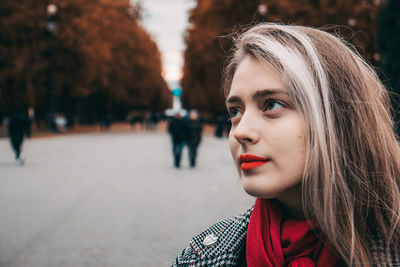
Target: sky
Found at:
x=166, y=21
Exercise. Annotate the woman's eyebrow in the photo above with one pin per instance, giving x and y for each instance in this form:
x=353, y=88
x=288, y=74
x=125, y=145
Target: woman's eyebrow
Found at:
x=233, y=99
x=268, y=92
x=258, y=94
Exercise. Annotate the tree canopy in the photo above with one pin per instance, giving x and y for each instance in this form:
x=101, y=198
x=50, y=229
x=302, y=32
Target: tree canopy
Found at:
x=104, y=60
x=389, y=44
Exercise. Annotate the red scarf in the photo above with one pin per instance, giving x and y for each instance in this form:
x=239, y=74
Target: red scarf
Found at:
x=293, y=243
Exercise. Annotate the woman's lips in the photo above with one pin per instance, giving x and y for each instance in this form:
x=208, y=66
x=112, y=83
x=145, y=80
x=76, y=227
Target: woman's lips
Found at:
x=248, y=161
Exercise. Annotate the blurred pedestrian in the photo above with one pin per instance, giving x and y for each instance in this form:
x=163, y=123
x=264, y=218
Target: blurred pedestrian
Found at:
x=312, y=139
x=194, y=131
x=105, y=122
x=178, y=130
x=219, y=126
x=18, y=127
x=152, y=121
x=132, y=120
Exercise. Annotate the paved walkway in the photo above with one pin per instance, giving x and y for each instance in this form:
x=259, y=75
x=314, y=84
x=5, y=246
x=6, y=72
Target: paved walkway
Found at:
x=110, y=199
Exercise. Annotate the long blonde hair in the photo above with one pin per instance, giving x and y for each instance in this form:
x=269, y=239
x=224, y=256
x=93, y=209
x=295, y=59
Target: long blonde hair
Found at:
x=351, y=183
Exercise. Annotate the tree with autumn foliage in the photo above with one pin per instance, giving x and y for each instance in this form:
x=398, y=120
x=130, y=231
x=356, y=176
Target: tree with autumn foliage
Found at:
x=213, y=21
x=389, y=44
x=22, y=49
x=105, y=62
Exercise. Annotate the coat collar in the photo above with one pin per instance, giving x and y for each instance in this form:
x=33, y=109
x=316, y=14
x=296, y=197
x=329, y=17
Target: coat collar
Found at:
x=225, y=237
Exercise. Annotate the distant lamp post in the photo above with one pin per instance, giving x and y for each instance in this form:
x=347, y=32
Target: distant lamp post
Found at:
x=352, y=22
x=262, y=11
x=176, y=105
x=376, y=57
x=52, y=12
x=52, y=28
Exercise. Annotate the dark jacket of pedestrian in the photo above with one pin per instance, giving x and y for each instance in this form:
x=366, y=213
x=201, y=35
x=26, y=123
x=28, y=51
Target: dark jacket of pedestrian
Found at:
x=18, y=126
x=178, y=129
x=194, y=131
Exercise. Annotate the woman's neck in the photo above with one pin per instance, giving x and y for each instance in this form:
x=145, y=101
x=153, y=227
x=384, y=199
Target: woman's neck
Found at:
x=291, y=204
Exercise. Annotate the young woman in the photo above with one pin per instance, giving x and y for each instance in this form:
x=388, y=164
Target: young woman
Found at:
x=313, y=141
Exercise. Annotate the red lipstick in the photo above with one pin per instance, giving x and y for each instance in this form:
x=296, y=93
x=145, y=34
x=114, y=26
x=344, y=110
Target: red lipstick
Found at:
x=249, y=161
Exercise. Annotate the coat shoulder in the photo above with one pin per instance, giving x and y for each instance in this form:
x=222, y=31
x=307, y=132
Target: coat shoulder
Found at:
x=383, y=255
x=219, y=245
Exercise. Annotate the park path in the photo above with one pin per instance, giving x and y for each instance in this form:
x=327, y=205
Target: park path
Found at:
x=110, y=199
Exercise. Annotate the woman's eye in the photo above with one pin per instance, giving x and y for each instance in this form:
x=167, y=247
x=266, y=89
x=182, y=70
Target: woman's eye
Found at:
x=272, y=105
x=234, y=113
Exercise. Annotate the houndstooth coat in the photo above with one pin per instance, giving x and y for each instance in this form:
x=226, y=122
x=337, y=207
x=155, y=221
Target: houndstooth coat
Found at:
x=223, y=244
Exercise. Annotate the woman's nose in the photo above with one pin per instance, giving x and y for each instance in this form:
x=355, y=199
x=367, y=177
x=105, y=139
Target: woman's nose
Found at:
x=245, y=131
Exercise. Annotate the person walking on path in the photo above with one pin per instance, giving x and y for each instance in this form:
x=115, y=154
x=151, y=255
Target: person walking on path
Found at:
x=178, y=130
x=313, y=141
x=18, y=127
x=194, y=131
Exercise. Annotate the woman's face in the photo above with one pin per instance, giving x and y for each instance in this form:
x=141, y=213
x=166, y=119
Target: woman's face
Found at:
x=267, y=138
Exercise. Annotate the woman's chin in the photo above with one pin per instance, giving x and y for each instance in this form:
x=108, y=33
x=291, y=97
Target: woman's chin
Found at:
x=258, y=190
